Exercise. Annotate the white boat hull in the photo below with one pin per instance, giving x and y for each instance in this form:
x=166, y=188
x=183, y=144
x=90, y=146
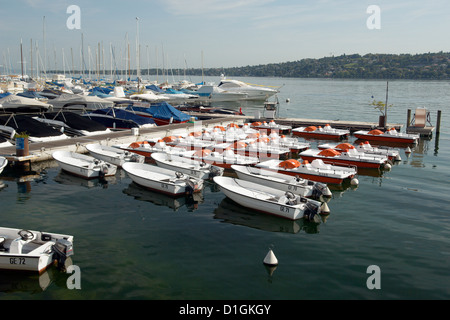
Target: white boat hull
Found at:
x=263, y=199
x=113, y=155
x=162, y=180
x=84, y=166
x=281, y=181
x=187, y=166
x=31, y=255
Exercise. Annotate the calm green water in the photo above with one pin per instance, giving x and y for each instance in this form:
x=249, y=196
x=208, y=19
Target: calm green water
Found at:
x=134, y=244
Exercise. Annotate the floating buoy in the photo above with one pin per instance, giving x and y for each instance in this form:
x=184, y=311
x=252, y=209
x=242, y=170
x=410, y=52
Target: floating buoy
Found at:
x=354, y=182
x=326, y=192
x=288, y=100
x=324, y=209
x=408, y=150
x=387, y=166
x=270, y=259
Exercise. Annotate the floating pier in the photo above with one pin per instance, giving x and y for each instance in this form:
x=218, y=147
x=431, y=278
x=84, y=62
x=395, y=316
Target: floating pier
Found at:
x=42, y=151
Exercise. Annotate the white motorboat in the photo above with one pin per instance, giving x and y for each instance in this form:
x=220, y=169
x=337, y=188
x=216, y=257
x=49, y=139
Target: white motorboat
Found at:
x=345, y=158
x=281, y=181
x=113, y=155
x=268, y=200
x=327, y=132
x=28, y=250
x=83, y=165
x=3, y=163
x=194, y=168
x=253, y=92
x=317, y=170
x=391, y=136
x=216, y=94
x=162, y=180
x=364, y=147
x=223, y=160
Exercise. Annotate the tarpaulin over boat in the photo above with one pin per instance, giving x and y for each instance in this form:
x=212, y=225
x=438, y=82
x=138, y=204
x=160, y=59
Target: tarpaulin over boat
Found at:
x=310, y=129
x=165, y=111
x=289, y=164
x=345, y=146
x=375, y=132
x=154, y=88
x=329, y=153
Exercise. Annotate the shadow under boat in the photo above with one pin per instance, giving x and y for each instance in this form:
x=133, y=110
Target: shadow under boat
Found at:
x=160, y=199
x=66, y=178
x=230, y=212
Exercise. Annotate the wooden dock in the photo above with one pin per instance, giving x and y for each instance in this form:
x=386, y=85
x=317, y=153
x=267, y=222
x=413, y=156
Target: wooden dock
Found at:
x=42, y=151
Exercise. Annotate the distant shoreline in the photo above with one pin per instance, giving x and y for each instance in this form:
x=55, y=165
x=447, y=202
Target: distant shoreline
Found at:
x=426, y=66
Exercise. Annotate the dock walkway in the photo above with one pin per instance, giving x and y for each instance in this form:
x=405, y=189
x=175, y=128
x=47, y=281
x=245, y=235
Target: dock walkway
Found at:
x=42, y=151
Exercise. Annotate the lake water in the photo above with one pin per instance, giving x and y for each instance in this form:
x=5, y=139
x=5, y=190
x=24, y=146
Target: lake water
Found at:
x=132, y=244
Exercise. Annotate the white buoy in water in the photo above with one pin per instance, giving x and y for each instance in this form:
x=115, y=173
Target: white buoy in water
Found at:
x=354, y=182
x=408, y=150
x=270, y=259
x=387, y=166
x=288, y=100
x=324, y=208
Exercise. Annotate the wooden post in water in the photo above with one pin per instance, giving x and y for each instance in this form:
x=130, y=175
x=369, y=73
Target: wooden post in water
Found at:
x=408, y=118
x=438, y=122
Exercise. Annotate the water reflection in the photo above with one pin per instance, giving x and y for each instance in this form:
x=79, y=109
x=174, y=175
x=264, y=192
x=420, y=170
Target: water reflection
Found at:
x=159, y=199
x=230, y=212
x=69, y=179
x=32, y=282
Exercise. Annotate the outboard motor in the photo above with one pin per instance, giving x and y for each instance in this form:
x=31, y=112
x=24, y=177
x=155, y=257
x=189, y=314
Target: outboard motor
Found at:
x=310, y=211
x=62, y=249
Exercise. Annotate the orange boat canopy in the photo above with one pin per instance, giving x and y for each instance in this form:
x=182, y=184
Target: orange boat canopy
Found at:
x=170, y=139
x=310, y=129
x=289, y=164
x=345, y=146
x=239, y=145
x=375, y=132
x=329, y=153
x=255, y=124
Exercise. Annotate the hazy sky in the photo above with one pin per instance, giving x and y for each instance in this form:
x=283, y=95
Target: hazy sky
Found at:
x=226, y=33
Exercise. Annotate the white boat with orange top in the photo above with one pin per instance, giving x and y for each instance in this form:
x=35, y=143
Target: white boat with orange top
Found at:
x=345, y=158
x=391, y=135
x=327, y=132
x=145, y=148
x=317, y=170
x=365, y=147
x=270, y=127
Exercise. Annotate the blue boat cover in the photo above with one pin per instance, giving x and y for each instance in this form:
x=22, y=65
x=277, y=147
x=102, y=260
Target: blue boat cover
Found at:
x=126, y=115
x=163, y=111
x=154, y=88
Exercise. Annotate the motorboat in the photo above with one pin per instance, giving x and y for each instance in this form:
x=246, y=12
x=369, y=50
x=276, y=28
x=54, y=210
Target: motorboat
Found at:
x=36, y=131
x=29, y=250
x=3, y=163
x=119, y=119
x=113, y=155
x=213, y=93
x=194, y=168
x=269, y=200
x=253, y=92
x=79, y=102
x=162, y=113
x=364, y=147
x=72, y=123
x=345, y=158
x=83, y=165
x=327, y=132
x=294, y=145
x=14, y=103
x=282, y=181
x=222, y=159
x=271, y=126
x=254, y=148
x=170, y=182
x=317, y=170
x=391, y=135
